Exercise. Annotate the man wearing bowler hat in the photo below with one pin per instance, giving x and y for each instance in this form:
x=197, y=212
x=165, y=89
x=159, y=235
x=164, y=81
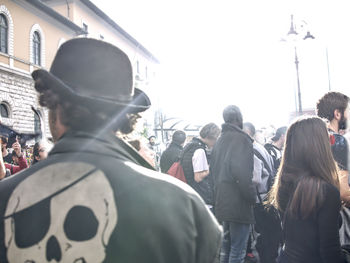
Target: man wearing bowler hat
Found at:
x=94, y=199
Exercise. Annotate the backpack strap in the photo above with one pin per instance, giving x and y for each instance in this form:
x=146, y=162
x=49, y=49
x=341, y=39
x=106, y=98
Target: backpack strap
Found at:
x=258, y=195
x=190, y=146
x=258, y=154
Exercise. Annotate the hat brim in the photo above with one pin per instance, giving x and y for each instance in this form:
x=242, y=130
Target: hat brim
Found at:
x=139, y=101
x=275, y=138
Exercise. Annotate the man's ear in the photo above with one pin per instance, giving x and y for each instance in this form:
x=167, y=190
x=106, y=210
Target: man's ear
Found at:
x=337, y=114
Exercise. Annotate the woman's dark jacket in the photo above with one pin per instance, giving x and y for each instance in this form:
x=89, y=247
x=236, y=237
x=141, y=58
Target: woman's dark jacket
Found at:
x=316, y=238
x=232, y=169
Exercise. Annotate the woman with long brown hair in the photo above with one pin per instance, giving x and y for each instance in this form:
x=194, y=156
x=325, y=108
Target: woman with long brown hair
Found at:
x=306, y=192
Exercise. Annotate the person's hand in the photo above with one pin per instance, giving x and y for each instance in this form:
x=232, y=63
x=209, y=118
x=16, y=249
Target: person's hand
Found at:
x=17, y=148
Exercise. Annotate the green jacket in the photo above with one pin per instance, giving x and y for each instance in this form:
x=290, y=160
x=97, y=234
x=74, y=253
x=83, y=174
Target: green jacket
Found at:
x=93, y=200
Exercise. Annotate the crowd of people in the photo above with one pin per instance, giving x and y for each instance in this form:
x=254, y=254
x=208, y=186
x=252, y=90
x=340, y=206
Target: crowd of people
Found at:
x=97, y=197
x=15, y=159
x=287, y=191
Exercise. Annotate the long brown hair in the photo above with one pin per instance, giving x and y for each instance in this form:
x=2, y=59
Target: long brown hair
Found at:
x=307, y=163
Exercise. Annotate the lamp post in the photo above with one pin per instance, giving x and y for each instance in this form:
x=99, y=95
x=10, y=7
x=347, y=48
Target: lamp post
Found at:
x=294, y=34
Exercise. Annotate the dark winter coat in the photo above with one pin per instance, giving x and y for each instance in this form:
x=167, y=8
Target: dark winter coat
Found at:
x=170, y=156
x=92, y=201
x=232, y=169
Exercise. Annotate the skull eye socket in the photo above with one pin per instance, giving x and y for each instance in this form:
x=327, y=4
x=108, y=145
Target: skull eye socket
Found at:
x=80, y=224
x=32, y=224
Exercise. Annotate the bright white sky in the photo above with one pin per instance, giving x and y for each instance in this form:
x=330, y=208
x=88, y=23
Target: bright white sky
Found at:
x=216, y=53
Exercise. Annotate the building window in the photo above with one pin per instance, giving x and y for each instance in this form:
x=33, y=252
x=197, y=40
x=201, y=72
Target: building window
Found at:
x=36, y=48
x=4, y=110
x=37, y=123
x=3, y=34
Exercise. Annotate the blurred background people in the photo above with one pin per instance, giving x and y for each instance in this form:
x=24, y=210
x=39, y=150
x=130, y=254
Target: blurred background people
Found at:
x=144, y=151
x=194, y=162
x=173, y=152
x=40, y=152
x=231, y=166
x=267, y=221
x=275, y=146
x=334, y=107
x=18, y=157
x=6, y=155
x=153, y=146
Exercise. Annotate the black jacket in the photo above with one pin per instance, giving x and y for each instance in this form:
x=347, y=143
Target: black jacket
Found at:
x=204, y=188
x=275, y=153
x=314, y=239
x=232, y=169
x=170, y=156
x=92, y=200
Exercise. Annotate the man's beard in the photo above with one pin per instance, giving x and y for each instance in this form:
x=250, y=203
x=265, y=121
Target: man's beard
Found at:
x=343, y=123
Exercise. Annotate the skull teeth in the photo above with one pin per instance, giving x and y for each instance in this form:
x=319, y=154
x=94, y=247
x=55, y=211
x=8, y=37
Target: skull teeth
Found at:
x=79, y=260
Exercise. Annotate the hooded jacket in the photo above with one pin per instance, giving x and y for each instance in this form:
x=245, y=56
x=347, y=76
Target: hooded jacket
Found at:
x=232, y=169
x=91, y=200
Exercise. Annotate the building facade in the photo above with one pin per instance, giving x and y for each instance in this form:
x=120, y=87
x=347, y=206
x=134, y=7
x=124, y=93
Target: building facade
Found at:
x=31, y=31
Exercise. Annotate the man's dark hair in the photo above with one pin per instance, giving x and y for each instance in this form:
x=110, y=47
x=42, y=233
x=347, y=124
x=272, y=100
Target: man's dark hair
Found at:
x=279, y=132
x=36, y=152
x=250, y=127
x=232, y=114
x=330, y=102
x=81, y=117
x=14, y=154
x=179, y=137
x=136, y=144
x=210, y=131
x=4, y=140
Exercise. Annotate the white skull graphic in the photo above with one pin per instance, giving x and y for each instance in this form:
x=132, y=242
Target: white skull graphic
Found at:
x=65, y=212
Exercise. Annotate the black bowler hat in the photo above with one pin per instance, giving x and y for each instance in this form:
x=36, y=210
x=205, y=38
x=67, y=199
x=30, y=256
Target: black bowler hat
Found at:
x=92, y=71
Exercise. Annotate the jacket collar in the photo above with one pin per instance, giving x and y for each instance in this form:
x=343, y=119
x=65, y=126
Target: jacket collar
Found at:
x=175, y=145
x=199, y=141
x=231, y=127
x=100, y=144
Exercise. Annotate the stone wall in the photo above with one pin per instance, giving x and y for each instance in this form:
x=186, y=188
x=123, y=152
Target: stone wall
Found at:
x=18, y=93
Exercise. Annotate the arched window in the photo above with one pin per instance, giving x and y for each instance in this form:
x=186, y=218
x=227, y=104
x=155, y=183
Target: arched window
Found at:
x=36, y=48
x=37, y=123
x=3, y=33
x=4, y=110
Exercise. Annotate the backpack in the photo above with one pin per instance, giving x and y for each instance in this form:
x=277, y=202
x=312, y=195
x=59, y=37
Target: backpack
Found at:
x=177, y=171
x=272, y=151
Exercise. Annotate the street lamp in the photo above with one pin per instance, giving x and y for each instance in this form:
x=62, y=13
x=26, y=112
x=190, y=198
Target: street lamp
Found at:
x=293, y=34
